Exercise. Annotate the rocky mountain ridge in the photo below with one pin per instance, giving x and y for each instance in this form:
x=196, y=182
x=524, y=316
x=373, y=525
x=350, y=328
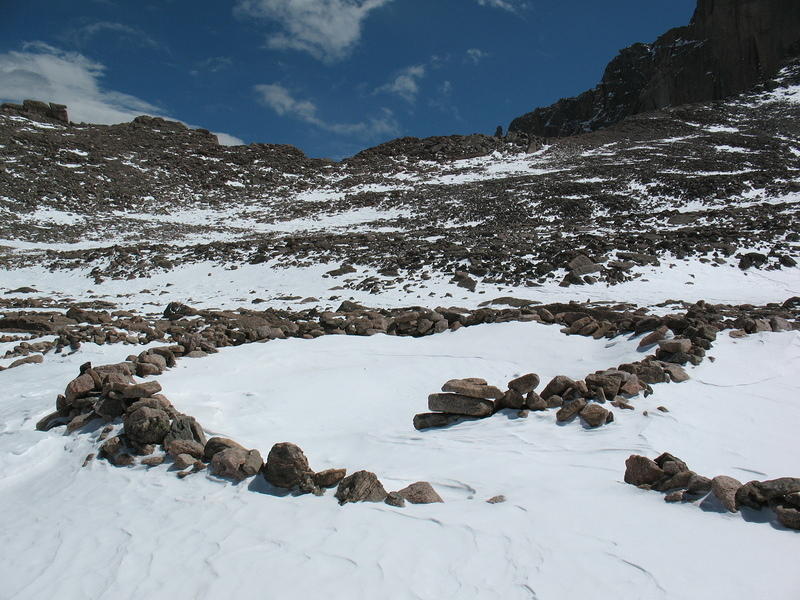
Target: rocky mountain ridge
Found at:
x=728, y=47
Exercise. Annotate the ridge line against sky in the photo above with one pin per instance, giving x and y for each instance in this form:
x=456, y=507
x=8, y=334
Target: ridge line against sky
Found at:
x=329, y=76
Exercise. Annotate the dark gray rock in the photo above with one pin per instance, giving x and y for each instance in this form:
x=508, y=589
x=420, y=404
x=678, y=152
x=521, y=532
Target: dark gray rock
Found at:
x=218, y=444
x=640, y=470
x=329, y=477
x=469, y=387
x=361, y=486
x=420, y=492
x=594, y=415
x=236, y=463
x=570, y=409
x=524, y=384
x=429, y=420
x=185, y=428
x=456, y=404
x=287, y=467
x=147, y=425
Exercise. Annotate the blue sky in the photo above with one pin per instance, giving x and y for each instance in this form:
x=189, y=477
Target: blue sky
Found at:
x=328, y=76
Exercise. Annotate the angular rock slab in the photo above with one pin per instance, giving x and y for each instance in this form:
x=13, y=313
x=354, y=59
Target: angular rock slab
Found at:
x=428, y=420
x=456, y=404
x=420, y=492
x=640, y=470
x=361, y=486
x=468, y=387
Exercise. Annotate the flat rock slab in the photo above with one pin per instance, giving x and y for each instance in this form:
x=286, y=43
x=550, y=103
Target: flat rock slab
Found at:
x=457, y=404
x=437, y=419
x=469, y=387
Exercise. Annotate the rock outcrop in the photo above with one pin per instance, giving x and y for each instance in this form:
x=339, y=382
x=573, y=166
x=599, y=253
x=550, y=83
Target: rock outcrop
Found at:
x=728, y=46
x=38, y=109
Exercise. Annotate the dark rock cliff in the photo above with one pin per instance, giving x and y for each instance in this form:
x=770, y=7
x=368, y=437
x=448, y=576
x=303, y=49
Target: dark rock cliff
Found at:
x=728, y=47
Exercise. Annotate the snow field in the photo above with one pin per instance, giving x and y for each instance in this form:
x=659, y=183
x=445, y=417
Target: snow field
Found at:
x=569, y=529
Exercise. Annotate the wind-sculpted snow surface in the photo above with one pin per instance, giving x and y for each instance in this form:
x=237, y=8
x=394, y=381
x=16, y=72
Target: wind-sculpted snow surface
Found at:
x=569, y=527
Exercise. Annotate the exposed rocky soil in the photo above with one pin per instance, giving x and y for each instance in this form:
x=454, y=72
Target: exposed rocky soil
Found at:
x=715, y=181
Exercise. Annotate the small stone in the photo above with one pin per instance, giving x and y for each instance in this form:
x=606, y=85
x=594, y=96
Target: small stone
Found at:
x=47, y=422
x=428, y=420
x=111, y=447
x=653, y=337
x=622, y=403
x=218, y=444
x=557, y=386
x=511, y=399
x=662, y=409
x=670, y=463
x=457, y=404
x=80, y=421
x=395, y=499
x=147, y=425
x=676, y=345
x=570, y=409
x=183, y=461
x=80, y=387
x=676, y=496
x=138, y=390
x=89, y=458
x=236, y=463
x=496, y=499
x=788, y=517
x=190, y=447
x=677, y=373
x=287, y=467
x=329, y=477
x=185, y=428
x=699, y=485
x=725, y=488
x=361, y=486
x=465, y=387
x=524, y=384
x=593, y=414
x=641, y=470
x=123, y=460
x=535, y=402
x=153, y=461
x=554, y=401
x=420, y=492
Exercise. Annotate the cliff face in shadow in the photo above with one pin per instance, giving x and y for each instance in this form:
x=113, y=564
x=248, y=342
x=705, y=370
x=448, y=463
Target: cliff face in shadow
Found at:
x=728, y=46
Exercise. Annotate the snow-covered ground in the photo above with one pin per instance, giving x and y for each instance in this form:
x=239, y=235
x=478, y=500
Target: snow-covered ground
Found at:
x=216, y=286
x=569, y=529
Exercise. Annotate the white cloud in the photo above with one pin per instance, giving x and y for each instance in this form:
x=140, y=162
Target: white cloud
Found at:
x=130, y=34
x=406, y=83
x=42, y=72
x=280, y=99
x=214, y=64
x=326, y=29
x=476, y=55
x=509, y=5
